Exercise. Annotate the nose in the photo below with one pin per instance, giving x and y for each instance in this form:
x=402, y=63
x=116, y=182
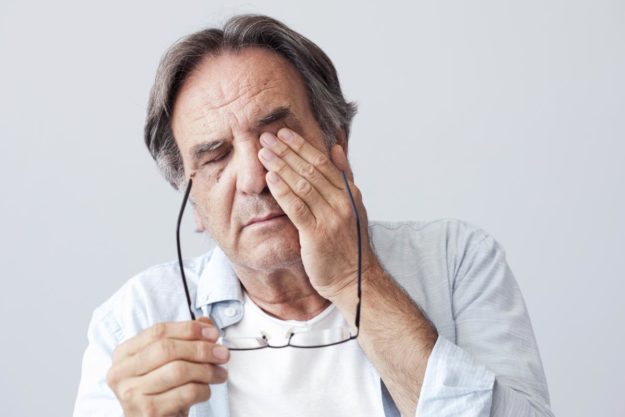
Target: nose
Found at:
x=250, y=171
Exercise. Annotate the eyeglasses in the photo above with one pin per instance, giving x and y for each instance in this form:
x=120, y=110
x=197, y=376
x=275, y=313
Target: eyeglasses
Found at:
x=308, y=339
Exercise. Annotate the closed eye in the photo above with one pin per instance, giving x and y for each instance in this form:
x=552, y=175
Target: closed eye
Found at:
x=220, y=157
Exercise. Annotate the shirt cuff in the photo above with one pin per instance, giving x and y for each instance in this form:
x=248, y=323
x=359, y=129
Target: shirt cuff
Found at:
x=455, y=384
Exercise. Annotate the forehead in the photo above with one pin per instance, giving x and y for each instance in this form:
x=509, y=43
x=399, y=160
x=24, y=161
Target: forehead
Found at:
x=228, y=90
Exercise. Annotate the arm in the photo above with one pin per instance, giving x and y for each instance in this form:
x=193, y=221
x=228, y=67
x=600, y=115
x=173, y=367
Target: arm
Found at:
x=494, y=336
x=422, y=371
x=494, y=370
x=394, y=334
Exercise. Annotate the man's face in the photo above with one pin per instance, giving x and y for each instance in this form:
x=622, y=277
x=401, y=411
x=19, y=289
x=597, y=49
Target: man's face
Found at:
x=219, y=114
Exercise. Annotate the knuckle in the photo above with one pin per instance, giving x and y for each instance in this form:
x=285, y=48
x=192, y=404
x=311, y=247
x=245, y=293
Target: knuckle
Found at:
x=112, y=378
x=126, y=393
x=158, y=330
x=178, y=371
x=279, y=169
x=307, y=170
x=297, y=143
x=280, y=166
x=299, y=208
x=192, y=329
x=167, y=349
x=202, y=351
x=281, y=150
x=188, y=395
x=320, y=160
x=303, y=187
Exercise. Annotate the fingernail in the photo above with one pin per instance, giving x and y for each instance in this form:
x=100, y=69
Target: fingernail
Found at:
x=267, y=139
x=221, y=373
x=220, y=352
x=267, y=154
x=286, y=134
x=210, y=333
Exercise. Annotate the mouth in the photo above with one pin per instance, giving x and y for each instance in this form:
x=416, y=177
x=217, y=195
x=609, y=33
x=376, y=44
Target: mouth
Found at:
x=264, y=219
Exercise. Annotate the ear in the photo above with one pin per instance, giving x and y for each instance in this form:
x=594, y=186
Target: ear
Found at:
x=199, y=227
x=341, y=139
x=338, y=154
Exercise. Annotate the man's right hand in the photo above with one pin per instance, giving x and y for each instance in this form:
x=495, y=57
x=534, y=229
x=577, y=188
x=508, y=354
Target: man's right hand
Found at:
x=166, y=369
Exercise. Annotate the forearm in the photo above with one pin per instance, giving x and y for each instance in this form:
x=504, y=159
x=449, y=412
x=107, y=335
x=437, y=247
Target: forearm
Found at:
x=394, y=334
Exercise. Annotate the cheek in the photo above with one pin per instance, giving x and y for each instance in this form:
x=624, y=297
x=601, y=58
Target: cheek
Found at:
x=214, y=204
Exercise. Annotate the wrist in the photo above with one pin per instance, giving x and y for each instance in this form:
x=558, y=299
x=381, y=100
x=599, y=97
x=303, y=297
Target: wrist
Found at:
x=346, y=297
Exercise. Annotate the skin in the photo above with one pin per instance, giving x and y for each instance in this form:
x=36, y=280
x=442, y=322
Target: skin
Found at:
x=167, y=368
x=231, y=186
x=292, y=265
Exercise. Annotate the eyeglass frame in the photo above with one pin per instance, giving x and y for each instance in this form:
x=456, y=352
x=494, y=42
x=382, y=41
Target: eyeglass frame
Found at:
x=358, y=305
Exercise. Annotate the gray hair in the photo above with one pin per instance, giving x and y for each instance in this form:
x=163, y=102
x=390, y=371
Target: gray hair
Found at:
x=325, y=97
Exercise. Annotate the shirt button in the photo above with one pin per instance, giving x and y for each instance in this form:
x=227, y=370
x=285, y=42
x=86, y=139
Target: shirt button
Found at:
x=230, y=312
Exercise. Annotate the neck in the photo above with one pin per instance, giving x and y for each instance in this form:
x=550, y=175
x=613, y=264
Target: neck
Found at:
x=284, y=293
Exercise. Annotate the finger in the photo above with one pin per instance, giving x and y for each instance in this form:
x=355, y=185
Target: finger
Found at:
x=177, y=373
x=179, y=399
x=204, y=319
x=164, y=351
x=300, y=166
x=312, y=155
x=293, y=206
x=318, y=204
x=183, y=330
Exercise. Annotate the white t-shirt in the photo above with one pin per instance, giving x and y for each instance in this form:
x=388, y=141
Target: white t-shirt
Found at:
x=330, y=381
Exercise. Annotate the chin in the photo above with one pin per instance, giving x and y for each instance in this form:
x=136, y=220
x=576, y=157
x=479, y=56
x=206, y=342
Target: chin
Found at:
x=274, y=252
x=269, y=249
x=268, y=259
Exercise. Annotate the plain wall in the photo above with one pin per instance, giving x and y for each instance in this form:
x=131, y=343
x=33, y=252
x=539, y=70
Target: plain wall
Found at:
x=510, y=115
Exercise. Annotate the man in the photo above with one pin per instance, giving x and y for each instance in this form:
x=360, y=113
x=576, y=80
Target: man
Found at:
x=251, y=122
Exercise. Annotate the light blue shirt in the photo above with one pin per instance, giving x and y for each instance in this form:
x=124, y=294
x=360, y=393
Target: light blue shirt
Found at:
x=485, y=361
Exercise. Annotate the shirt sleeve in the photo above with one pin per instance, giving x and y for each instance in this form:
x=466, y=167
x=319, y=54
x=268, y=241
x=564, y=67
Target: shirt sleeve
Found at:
x=493, y=368
x=95, y=398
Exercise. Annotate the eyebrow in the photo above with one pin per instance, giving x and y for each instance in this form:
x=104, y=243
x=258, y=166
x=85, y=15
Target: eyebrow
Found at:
x=279, y=113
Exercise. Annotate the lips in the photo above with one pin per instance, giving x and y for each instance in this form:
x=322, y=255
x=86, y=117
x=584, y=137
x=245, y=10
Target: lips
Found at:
x=263, y=218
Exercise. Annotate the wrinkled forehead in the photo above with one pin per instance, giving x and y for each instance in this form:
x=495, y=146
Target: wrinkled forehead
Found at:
x=234, y=87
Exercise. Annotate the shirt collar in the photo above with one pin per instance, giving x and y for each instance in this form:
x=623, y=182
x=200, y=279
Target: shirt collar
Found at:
x=218, y=282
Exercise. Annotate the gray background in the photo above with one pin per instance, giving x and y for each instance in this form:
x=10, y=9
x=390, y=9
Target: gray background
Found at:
x=510, y=115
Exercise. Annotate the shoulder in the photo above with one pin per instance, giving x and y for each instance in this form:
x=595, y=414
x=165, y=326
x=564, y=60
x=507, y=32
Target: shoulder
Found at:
x=430, y=258
x=444, y=233
x=442, y=246
x=153, y=295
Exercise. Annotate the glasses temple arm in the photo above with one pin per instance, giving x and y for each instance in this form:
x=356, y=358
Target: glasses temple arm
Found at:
x=182, y=276
x=351, y=199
